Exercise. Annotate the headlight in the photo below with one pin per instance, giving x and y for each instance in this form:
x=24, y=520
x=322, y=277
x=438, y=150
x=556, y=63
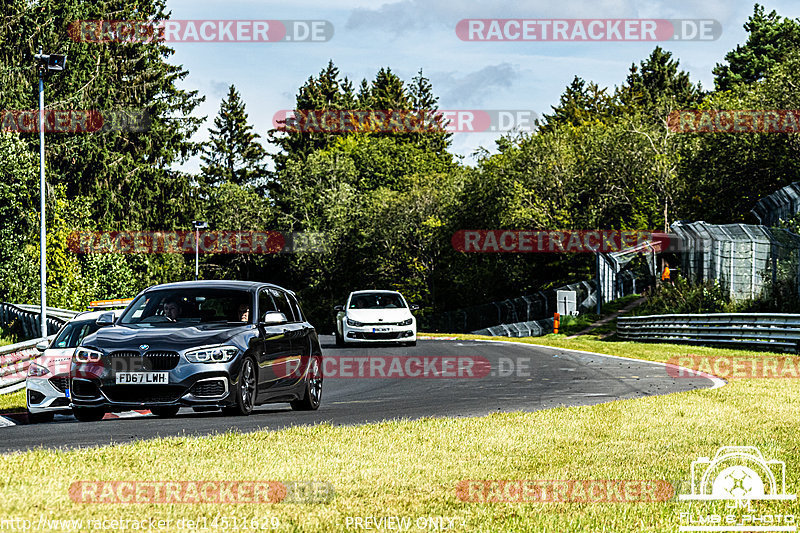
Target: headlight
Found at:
x=36, y=371
x=407, y=322
x=87, y=355
x=355, y=323
x=212, y=354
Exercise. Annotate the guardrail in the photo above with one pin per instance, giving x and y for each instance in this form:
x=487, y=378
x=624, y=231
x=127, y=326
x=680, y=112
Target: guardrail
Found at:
x=765, y=330
x=24, y=319
x=14, y=362
x=531, y=328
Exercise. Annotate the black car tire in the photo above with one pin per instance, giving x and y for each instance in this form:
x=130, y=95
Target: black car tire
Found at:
x=245, y=390
x=88, y=414
x=339, y=340
x=38, y=418
x=165, y=412
x=312, y=395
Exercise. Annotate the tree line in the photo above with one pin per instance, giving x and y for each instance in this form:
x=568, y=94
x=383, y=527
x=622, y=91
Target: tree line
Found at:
x=387, y=203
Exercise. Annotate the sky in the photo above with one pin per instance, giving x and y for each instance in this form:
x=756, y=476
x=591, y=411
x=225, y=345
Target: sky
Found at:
x=408, y=35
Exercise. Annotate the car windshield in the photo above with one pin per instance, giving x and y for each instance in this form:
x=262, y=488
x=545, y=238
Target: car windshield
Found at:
x=74, y=332
x=376, y=300
x=187, y=307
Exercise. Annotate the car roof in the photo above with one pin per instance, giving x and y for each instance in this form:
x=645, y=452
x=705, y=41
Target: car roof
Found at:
x=374, y=291
x=94, y=315
x=217, y=284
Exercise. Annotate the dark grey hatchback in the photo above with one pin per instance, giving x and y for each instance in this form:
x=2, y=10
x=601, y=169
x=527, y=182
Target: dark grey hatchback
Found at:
x=202, y=344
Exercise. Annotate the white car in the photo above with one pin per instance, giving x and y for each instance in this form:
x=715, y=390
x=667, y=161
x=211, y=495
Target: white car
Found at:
x=376, y=316
x=47, y=383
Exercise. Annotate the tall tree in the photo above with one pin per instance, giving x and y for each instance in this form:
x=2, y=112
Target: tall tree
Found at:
x=123, y=170
x=233, y=153
x=580, y=103
x=771, y=37
x=657, y=85
x=327, y=91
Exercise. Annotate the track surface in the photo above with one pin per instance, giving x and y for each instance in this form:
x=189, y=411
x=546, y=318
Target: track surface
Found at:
x=540, y=378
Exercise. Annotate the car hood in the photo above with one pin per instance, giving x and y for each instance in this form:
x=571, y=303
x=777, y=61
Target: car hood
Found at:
x=379, y=315
x=161, y=338
x=56, y=360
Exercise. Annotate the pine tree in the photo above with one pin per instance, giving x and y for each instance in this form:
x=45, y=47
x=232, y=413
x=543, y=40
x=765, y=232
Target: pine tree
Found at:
x=771, y=37
x=579, y=104
x=657, y=82
x=124, y=172
x=233, y=153
x=423, y=100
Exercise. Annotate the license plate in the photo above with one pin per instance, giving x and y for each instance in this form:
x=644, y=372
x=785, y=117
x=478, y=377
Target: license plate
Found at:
x=379, y=330
x=142, y=378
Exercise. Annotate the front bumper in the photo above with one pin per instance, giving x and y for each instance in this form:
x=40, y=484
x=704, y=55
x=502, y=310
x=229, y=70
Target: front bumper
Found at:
x=380, y=333
x=47, y=394
x=188, y=384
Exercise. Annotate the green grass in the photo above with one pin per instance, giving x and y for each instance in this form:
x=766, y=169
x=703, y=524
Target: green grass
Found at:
x=411, y=468
x=12, y=403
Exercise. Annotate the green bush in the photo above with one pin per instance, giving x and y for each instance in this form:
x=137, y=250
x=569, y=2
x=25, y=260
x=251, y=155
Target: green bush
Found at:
x=684, y=297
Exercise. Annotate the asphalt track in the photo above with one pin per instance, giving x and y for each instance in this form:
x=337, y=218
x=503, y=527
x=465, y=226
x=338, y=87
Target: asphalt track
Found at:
x=521, y=378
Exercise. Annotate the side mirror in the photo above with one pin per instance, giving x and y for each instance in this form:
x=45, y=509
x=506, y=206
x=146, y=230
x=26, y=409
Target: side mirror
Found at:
x=338, y=308
x=272, y=318
x=414, y=307
x=42, y=345
x=106, y=319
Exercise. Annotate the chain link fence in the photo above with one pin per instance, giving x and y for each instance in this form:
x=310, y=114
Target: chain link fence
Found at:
x=743, y=258
x=528, y=308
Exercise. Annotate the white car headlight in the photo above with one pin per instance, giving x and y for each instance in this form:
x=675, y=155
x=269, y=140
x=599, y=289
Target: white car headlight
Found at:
x=407, y=322
x=87, y=355
x=212, y=354
x=37, y=371
x=355, y=323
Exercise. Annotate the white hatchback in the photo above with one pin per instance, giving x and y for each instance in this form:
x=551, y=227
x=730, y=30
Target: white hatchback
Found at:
x=47, y=384
x=376, y=317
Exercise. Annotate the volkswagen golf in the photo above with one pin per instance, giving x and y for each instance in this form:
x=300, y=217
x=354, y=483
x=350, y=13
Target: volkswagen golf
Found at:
x=208, y=345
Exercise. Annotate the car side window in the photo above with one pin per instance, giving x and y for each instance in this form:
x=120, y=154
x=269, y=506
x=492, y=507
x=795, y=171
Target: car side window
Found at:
x=265, y=304
x=283, y=304
x=298, y=314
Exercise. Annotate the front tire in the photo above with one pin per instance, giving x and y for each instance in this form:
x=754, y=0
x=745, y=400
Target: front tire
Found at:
x=88, y=414
x=166, y=412
x=339, y=340
x=245, y=391
x=312, y=396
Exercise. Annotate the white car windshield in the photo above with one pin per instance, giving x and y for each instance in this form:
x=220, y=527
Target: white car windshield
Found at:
x=376, y=300
x=74, y=332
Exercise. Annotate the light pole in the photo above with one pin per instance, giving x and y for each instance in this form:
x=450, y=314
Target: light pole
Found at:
x=198, y=225
x=45, y=63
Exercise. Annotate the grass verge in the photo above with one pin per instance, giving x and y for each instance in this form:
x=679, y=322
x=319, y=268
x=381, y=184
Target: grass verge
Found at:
x=12, y=403
x=411, y=469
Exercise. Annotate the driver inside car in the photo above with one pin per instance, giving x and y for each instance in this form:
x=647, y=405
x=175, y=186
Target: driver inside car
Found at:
x=172, y=310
